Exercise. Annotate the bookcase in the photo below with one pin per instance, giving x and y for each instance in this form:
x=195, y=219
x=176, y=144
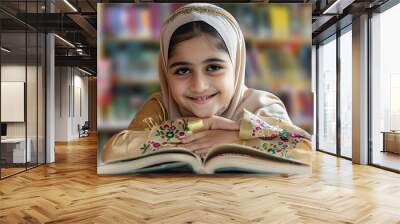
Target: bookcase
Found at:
x=278, y=45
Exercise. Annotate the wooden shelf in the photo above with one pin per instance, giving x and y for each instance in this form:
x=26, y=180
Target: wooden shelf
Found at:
x=249, y=38
x=113, y=126
x=125, y=39
x=266, y=41
x=134, y=82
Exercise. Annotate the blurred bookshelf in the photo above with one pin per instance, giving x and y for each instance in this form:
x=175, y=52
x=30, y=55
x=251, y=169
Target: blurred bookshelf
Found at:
x=278, y=45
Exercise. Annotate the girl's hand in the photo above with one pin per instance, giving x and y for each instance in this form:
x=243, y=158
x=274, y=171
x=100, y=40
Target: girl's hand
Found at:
x=217, y=122
x=202, y=142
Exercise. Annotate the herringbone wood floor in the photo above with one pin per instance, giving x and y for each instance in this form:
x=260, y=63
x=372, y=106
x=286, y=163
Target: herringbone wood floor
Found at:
x=70, y=191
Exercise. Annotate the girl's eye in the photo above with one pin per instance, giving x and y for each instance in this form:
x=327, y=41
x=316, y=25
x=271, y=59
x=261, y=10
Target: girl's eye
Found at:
x=212, y=68
x=182, y=71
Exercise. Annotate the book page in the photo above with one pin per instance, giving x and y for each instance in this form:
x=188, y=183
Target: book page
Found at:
x=244, y=163
x=155, y=162
x=167, y=150
x=244, y=150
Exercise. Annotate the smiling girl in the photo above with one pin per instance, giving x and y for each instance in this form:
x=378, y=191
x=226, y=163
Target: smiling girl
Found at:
x=201, y=72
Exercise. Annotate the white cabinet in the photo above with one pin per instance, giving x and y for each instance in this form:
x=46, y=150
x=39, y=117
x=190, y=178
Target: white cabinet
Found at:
x=18, y=149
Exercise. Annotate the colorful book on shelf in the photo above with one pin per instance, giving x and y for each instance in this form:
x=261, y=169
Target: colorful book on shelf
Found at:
x=105, y=21
x=155, y=20
x=276, y=63
x=295, y=22
x=132, y=22
x=112, y=16
x=158, y=149
x=255, y=63
x=249, y=69
x=264, y=27
x=246, y=18
x=264, y=64
x=280, y=21
x=265, y=68
x=306, y=101
x=290, y=63
x=146, y=24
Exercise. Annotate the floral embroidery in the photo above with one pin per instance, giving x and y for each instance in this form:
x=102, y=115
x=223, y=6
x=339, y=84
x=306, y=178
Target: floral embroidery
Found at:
x=284, y=134
x=170, y=131
x=272, y=139
x=275, y=148
x=294, y=142
x=145, y=148
x=258, y=125
x=279, y=149
x=150, y=146
x=166, y=133
x=254, y=126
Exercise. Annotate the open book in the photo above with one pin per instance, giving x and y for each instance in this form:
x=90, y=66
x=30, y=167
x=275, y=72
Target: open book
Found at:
x=222, y=158
x=265, y=146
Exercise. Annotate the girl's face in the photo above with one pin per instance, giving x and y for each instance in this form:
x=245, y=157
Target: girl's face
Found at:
x=200, y=76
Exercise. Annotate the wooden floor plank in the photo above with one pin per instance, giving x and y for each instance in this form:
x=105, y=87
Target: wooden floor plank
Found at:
x=70, y=191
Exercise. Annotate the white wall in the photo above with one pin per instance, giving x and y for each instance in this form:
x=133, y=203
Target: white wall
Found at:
x=17, y=73
x=80, y=94
x=61, y=103
x=70, y=83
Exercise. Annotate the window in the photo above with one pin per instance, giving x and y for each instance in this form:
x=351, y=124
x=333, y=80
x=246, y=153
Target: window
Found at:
x=346, y=93
x=327, y=96
x=385, y=88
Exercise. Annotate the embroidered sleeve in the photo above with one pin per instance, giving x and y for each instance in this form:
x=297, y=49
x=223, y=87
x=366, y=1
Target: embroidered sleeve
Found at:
x=169, y=132
x=253, y=126
x=276, y=136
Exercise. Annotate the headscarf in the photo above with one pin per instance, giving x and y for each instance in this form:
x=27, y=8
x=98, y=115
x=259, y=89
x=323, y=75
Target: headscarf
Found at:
x=255, y=101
